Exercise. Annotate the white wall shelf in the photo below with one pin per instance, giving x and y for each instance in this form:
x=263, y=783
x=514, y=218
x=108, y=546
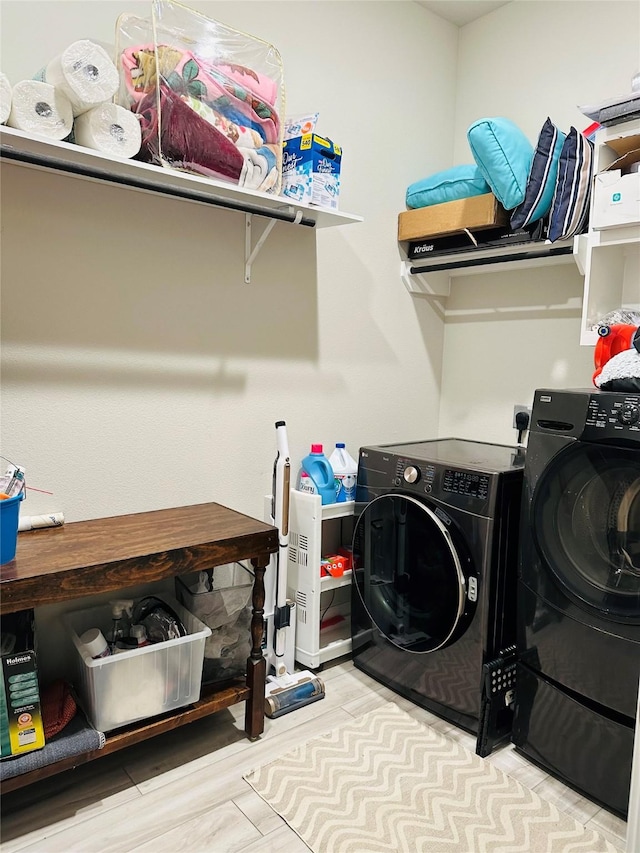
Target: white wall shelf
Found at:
x=76, y=161
x=432, y=276
x=607, y=257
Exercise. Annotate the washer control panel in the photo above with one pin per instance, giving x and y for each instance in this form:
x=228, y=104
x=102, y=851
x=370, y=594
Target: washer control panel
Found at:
x=613, y=415
x=410, y=473
x=425, y=478
x=465, y=483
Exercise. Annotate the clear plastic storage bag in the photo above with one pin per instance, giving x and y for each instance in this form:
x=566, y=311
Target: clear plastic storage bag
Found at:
x=210, y=99
x=225, y=606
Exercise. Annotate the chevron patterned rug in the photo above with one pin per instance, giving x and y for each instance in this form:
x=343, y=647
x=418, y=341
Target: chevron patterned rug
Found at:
x=386, y=782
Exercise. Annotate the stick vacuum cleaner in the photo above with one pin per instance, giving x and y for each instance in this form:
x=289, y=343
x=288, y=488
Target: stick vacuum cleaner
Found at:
x=285, y=691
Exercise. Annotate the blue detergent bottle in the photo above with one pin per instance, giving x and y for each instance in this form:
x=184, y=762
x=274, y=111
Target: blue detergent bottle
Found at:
x=317, y=466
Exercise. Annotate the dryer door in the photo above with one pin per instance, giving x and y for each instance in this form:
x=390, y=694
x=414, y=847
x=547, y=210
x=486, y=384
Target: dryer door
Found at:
x=412, y=573
x=585, y=518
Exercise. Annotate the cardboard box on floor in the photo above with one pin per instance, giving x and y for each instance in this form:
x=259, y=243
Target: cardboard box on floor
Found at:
x=471, y=214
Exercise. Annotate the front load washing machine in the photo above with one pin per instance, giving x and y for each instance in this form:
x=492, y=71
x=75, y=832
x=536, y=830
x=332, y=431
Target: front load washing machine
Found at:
x=579, y=591
x=433, y=611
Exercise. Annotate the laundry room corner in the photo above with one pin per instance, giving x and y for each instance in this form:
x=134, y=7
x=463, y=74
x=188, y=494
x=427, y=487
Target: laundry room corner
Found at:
x=511, y=331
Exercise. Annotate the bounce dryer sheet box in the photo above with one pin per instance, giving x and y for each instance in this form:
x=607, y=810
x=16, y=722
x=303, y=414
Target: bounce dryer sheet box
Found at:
x=475, y=213
x=21, y=725
x=311, y=170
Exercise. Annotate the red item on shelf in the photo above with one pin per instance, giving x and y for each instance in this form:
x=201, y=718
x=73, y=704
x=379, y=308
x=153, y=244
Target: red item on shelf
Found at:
x=331, y=621
x=58, y=707
x=612, y=340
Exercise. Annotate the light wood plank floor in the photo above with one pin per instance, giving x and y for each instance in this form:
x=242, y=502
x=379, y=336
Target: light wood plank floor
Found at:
x=183, y=791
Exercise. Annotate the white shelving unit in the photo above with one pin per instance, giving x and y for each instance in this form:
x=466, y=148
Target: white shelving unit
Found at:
x=432, y=276
x=609, y=258
x=77, y=162
x=314, y=532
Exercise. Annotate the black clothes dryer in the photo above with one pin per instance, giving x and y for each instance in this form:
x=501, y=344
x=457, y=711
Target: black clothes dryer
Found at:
x=579, y=591
x=434, y=581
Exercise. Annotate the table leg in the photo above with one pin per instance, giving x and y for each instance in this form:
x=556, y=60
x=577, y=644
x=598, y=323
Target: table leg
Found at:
x=256, y=663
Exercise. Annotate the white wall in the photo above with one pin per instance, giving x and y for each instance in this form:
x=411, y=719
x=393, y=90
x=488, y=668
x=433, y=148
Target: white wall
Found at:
x=508, y=333
x=139, y=371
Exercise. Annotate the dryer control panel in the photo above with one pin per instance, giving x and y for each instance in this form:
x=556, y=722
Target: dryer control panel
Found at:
x=613, y=415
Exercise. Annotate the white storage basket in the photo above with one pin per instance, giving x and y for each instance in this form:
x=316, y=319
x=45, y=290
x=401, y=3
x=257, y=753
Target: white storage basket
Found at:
x=123, y=688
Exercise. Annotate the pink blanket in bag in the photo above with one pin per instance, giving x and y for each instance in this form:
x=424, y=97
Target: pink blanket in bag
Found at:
x=240, y=94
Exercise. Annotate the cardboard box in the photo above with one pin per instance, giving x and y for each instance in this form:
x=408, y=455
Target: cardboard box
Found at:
x=472, y=214
x=616, y=200
x=311, y=170
x=20, y=712
x=616, y=190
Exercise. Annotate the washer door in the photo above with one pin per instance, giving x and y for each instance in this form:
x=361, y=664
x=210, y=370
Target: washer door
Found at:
x=412, y=573
x=585, y=518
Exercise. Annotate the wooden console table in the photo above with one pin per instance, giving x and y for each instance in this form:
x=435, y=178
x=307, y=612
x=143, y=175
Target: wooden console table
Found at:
x=106, y=554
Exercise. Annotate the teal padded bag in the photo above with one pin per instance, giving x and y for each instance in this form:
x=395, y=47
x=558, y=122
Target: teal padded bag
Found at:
x=504, y=156
x=449, y=185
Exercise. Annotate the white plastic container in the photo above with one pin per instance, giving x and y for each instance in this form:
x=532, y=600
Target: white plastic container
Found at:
x=345, y=470
x=120, y=689
x=94, y=642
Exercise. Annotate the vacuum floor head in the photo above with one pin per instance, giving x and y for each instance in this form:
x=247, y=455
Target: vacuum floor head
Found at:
x=291, y=693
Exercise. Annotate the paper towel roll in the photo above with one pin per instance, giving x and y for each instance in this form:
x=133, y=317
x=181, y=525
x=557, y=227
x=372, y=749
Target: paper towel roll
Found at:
x=5, y=98
x=109, y=128
x=40, y=108
x=85, y=73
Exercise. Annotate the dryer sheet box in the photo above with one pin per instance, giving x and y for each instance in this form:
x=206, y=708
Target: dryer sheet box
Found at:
x=311, y=170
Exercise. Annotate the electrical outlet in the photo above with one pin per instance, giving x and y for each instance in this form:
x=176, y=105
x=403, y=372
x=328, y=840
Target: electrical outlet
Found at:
x=517, y=409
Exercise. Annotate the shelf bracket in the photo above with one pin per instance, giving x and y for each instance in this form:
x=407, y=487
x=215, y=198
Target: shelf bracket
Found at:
x=424, y=283
x=250, y=254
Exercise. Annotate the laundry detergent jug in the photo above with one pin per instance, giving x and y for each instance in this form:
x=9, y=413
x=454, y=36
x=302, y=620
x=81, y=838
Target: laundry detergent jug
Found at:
x=345, y=470
x=317, y=466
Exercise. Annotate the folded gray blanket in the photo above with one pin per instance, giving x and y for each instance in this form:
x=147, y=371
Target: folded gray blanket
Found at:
x=76, y=737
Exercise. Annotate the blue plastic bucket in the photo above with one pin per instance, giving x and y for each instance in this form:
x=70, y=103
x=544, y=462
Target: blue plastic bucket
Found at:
x=9, y=512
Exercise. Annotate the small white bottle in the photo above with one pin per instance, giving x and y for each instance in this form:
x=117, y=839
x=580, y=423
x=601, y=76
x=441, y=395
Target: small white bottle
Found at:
x=345, y=471
x=94, y=642
x=139, y=633
x=120, y=621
